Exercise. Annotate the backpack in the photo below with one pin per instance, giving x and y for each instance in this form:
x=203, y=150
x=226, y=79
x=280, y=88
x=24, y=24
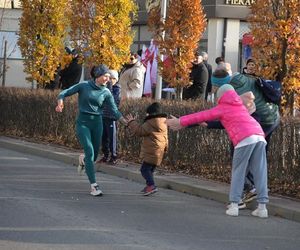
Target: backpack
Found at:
x=270, y=89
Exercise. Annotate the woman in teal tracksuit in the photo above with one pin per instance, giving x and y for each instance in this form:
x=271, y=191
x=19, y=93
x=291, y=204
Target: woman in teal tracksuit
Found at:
x=92, y=95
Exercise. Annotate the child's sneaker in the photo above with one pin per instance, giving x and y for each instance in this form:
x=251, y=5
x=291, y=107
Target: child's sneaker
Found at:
x=81, y=165
x=261, y=213
x=113, y=161
x=233, y=209
x=150, y=190
x=102, y=160
x=95, y=190
x=144, y=190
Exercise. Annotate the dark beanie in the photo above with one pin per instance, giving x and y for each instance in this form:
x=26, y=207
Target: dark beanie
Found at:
x=99, y=70
x=154, y=109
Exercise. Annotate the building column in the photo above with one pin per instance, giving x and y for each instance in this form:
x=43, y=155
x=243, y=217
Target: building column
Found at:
x=215, y=28
x=232, y=43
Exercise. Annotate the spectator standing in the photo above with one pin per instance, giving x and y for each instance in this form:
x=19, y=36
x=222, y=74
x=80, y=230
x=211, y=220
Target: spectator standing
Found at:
x=92, y=96
x=71, y=74
x=155, y=142
x=199, y=79
x=109, y=136
x=250, y=68
x=132, y=78
x=249, y=146
x=209, y=70
x=219, y=60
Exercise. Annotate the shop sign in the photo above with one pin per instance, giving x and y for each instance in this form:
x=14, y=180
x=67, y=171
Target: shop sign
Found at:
x=239, y=2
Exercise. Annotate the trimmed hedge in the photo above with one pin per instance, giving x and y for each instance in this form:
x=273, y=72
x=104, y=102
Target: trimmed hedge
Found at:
x=196, y=151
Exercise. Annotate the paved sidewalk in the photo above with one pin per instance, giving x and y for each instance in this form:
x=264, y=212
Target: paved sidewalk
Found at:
x=278, y=206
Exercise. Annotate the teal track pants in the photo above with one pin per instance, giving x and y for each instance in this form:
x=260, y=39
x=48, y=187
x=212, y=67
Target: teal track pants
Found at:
x=89, y=132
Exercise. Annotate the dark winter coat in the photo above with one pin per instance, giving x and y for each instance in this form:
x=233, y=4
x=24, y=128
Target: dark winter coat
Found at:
x=116, y=92
x=71, y=74
x=199, y=77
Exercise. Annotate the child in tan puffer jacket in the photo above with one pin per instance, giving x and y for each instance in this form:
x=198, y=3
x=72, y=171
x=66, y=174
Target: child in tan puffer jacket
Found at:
x=154, y=131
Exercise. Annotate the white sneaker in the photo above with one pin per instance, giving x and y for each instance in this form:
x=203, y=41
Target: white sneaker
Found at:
x=81, y=165
x=261, y=213
x=95, y=190
x=241, y=205
x=233, y=209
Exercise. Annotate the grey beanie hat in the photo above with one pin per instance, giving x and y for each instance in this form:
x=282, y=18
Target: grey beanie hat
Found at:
x=223, y=89
x=99, y=70
x=114, y=74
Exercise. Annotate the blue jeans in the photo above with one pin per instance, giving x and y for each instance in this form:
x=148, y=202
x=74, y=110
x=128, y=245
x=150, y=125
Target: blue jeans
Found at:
x=147, y=171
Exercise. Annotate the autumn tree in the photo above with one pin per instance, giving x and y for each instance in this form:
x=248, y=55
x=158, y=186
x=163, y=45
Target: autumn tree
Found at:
x=101, y=29
x=275, y=25
x=42, y=37
x=178, y=37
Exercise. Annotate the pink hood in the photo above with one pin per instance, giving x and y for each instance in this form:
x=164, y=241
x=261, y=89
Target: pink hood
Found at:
x=233, y=115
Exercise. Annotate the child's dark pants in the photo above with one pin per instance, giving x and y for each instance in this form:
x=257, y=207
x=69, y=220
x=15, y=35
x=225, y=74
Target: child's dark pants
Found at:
x=147, y=170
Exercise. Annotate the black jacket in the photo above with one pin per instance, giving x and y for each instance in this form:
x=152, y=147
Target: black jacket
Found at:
x=199, y=77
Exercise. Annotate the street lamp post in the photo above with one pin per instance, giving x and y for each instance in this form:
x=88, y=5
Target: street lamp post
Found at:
x=163, y=14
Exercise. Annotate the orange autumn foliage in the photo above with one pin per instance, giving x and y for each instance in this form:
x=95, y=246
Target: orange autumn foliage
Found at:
x=185, y=22
x=275, y=25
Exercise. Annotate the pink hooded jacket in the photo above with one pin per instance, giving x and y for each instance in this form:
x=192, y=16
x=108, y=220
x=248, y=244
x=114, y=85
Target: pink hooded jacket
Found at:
x=233, y=115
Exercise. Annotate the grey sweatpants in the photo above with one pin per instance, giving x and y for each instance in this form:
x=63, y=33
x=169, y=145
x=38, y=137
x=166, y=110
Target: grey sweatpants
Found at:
x=249, y=158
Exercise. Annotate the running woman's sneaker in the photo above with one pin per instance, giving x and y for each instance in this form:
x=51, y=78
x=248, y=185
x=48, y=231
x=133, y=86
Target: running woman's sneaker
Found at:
x=81, y=165
x=95, y=190
x=150, y=190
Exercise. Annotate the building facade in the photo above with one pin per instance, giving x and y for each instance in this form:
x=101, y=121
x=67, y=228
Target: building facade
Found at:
x=10, y=13
x=226, y=27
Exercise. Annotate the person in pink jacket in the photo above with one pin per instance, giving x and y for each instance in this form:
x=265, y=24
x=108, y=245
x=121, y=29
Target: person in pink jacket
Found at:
x=249, y=143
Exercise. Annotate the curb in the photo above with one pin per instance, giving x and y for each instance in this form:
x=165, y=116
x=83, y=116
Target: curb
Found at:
x=278, y=206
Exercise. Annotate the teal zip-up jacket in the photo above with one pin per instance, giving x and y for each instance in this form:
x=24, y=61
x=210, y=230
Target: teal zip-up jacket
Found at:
x=267, y=112
x=91, y=98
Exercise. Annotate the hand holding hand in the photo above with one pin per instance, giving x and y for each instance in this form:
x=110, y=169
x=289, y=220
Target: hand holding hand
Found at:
x=123, y=121
x=130, y=118
x=203, y=124
x=60, y=106
x=174, y=123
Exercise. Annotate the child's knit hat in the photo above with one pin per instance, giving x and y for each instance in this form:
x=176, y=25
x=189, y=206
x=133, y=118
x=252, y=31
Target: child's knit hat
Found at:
x=220, y=77
x=114, y=74
x=223, y=89
x=154, y=109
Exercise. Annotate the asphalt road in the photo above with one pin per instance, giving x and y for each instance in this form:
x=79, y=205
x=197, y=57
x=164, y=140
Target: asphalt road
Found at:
x=45, y=204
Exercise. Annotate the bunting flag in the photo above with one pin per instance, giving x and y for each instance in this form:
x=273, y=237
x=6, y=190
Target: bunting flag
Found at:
x=149, y=59
x=147, y=83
